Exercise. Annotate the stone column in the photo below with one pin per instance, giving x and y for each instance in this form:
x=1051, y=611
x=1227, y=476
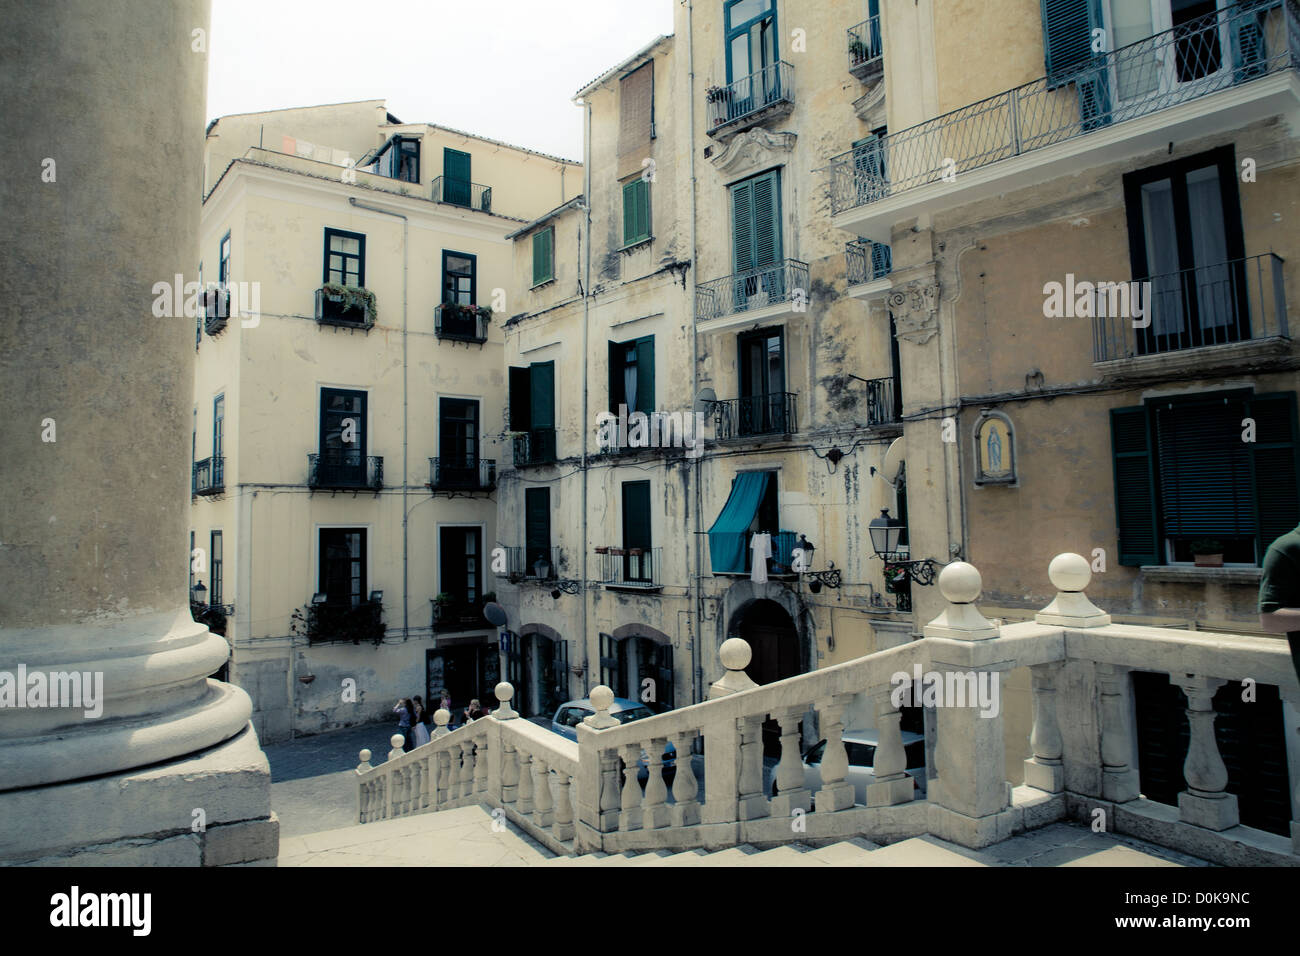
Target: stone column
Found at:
x=104, y=121
x=1206, y=801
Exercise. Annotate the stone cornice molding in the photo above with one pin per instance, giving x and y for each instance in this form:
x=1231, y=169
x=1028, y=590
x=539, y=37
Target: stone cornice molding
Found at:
x=752, y=151
x=870, y=106
x=915, y=308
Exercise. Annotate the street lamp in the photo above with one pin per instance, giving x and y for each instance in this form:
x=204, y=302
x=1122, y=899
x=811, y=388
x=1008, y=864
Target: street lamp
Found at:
x=199, y=594
x=886, y=533
x=830, y=577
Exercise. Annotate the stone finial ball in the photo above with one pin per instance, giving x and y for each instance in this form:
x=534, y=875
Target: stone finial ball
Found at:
x=365, y=756
x=442, y=716
x=601, y=697
x=396, y=741
x=1069, y=572
x=504, y=691
x=960, y=583
x=735, y=653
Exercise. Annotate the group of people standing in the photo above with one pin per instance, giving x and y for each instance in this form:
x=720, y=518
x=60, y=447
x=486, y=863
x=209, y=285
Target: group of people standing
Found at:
x=415, y=721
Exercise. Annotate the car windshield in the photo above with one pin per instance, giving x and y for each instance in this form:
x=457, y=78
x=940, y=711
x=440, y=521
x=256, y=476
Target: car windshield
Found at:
x=633, y=713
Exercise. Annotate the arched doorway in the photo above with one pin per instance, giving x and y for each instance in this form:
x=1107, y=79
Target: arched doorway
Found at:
x=772, y=637
x=538, y=668
x=636, y=661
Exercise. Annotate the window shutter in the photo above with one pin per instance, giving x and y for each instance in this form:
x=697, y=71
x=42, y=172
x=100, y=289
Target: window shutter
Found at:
x=636, y=514
x=537, y=524
x=1276, y=465
x=538, y=238
x=1204, y=469
x=636, y=105
x=645, y=372
x=1135, y=503
x=767, y=221
x=615, y=376
x=631, y=211
x=521, y=415
x=1067, y=36
x=542, y=394
x=543, y=261
x=742, y=219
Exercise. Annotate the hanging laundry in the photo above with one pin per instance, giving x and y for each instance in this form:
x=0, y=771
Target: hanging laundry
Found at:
x=761, y=545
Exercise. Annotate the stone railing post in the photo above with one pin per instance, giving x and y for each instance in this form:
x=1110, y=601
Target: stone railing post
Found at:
x=836, y=792
x=735, y=654
x=524, y=797
x=630, y=816
x=563, y=830
x=504, y=691
x=1045, y=769
x=441, y=718
x=791, y=793
x=597, y=780
x=543, y=803
x=391, y=803
x=1119, y=781
x=655, y=812
x=751, y=802
x=1070, y=573
x=1206, y=801
x=890, y=784
x=364, y=789
x=686, y=808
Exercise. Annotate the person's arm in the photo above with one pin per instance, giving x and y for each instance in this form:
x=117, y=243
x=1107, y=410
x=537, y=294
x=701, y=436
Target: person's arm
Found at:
x=1279, y=593
x=1281, y=621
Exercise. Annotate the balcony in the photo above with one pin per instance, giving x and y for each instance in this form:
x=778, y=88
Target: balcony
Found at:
x=216, y=310
x=209, y=476
x=343, y=623
x=345, y=472
x=462, y=474
x=771, y=414
x=763, y=96
x=634, y=569
x=522, y=564
x=347, y=306
x=782, y=560
x=460, y=615
x=1219, y=72
x=770, y=294
x=534, y=447
x=884, y=402
x=1223, y=317
x=866, y=50
x=460, y=192
x=867, y=268
x=461, y=323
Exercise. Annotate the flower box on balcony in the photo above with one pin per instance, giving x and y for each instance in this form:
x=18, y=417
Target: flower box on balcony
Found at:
x=216, y=309
x=617, y=552
x=345, y=305
x=602, y=550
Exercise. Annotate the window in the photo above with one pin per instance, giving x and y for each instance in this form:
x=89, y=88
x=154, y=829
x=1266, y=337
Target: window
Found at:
x=751, y=38
x=458, y=434
x=342, y=566
x=459, y=277
x=342, y=437
x=537, y=527
x=544, y=255
x=636, y=211
x=636, y=118
x=762, y=405
x=1184, y=476
x=460, y=567
x=632, y=375
x=636, y=532
x=218, y=425
x=1185, y=237
x=223, y=261
x=869, y=173
x=345, y=258
x=751, y=506
x=457, y=188
x=756, y=236
x=400, y=159
x=532, y=408
x=214, y=562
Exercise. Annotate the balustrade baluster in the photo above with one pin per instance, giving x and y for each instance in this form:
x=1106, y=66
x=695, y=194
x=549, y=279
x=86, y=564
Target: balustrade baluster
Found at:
x=1205, y=802
x=655, y=812
x=791, y=795
x=610, y=789
x=563, y=830
x=1045, y=769
x=524, y=801
x=481, y=765
x=1119, y=782
x=752, y=803
x=630, y=817
x=686, y=808
x=509, y=772
x=543, y=804
x=466, y=782
x=890, y=783
x=836, y=792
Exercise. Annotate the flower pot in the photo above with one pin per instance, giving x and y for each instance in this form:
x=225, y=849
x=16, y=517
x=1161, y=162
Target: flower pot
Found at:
x=602, y=550
x=1209, y=560
x=618, y=552
x=636, y=552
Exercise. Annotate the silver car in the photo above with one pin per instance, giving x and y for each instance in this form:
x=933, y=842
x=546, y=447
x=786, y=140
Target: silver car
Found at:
x=861, y=748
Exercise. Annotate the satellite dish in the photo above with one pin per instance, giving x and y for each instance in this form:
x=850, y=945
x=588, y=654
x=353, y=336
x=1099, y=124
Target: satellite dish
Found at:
x=892, y=468
x=705, y=401
x=495, y=614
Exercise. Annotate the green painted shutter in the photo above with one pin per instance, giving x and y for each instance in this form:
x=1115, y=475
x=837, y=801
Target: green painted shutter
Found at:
x=1204, y=469
x=542, y=394
x=521, y=415
x=1135, y=499
x=742, y=221
x=636, y=211
x=636, y=514
x=1276, y=454
x=456, y=174
x=537, y=524
x=645, y=374
x=1067, y=35
x=767, y=220
x=543, y=259
x=615, y=372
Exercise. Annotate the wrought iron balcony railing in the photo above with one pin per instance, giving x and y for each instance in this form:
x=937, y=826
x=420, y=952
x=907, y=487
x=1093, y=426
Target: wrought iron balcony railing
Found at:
x=1219, y=50
x=783, y=545
x=459, y=616
x=534, y=447
x=770, y=414
x=867, y=261
x=749, y=100
x=866, y=49
x=344, y=623
x=216, y=309
x=784, y=281
x=1238, y=301
x=522, y=564
x=630, y=567
x=884, y=405
x=345, y=471
x=461, y=323
x=462, y=192
x=209, y=476
x=349, y=308
x=462, y=474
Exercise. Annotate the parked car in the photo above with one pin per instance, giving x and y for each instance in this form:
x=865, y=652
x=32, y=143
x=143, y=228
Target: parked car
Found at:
x=861, y=748
x=571, y=713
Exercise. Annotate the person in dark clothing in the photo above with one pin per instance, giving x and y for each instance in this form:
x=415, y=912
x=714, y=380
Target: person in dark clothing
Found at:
x=473, y=711
x=1279, y=592
x=405, y=712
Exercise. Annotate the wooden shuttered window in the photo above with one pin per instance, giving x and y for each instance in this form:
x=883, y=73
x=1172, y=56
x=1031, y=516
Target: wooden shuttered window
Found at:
x=756, y=222
x=1182, y=470
x=1067, y=36
x=544, y=255
x=636, y=211
x=636, y=514
x=642, y=357
x=636, y=118
x=537, y=525
x=521, y=415
x=542, y=394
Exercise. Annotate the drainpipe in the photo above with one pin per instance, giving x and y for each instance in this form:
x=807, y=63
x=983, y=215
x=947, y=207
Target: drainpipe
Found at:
x=696, y=645
x=586, y=311
x=406, y=610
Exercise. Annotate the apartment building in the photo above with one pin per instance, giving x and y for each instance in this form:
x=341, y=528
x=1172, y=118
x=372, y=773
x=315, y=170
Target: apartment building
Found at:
x=349, y=364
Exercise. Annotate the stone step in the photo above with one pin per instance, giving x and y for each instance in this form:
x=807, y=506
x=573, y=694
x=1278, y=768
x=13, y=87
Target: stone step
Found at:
x=852, y=852
x=922, y=851
x=785, y=856
x=689, y=858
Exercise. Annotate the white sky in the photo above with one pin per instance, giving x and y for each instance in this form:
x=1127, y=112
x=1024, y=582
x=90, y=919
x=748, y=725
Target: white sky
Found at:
x=505, y=69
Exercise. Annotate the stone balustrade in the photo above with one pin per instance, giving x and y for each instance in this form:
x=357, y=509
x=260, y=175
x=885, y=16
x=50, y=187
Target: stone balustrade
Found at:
x=586, y=796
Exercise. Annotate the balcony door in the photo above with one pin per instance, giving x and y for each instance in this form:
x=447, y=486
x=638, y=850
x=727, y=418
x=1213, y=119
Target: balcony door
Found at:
x=343, y=566
x=537, y=527
x=1185, y=238
x=636, y=532
x=756, y=237
x=762, y=405
x=458, y=436
x=342, y=436
x=456, y=187
x=460, y=568
x=1196, y=53
x=752, y=55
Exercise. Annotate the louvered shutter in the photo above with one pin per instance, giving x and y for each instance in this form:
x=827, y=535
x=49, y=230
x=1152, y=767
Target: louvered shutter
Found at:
x=645, y=374
x=1276, y=465
x=543, y=249
x=542, y=394
x=537, y=525
x=767, y=225
x=1204, y=469
x=1135, y=504
x=1067, y=36
x=742, y=221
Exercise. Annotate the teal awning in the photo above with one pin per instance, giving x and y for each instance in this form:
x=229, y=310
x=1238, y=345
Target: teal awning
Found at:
x=730, y=533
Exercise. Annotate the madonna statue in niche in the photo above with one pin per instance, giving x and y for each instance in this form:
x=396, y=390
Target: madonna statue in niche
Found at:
x=995, y=450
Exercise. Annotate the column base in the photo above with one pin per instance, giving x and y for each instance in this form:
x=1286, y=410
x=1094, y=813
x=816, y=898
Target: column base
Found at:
x=148, y=817
x=1213, y=813
x=1120, y=786
x=1045, y=776
x=784, y=804
x=752, y=807
x=973, y=832
x=687, y=815
x=629, y=820
x=887, y=793
x=652, y=818
x=839, y=797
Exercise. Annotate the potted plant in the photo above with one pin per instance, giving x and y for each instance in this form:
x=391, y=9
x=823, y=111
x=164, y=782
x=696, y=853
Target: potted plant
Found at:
x=895, y=577
x=857, y=50
x=602, y=549
x=1207, y=552
x=636, y=552
x=717, y=94
x=617, y=552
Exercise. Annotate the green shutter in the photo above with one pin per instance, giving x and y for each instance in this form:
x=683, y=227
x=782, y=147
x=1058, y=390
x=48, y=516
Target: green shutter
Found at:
x=1067, y=35
x=636, y=514
x=1135, y=498
x=456, y=177
x=767, y=220
x=537, y=524
x=742, y=221
x=521, y=415
x=1204, y=474
x=1276, y=454
x=636, y=211
x=645, y=374
x=615, y=369
x=543, y=255
x=542, y=394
